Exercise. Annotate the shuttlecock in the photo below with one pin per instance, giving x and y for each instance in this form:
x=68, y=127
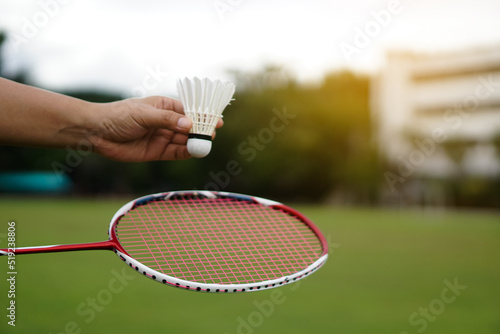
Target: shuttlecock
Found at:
x=204, y=101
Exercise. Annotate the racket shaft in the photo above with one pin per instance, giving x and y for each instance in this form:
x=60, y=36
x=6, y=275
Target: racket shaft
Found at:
x=109, y=245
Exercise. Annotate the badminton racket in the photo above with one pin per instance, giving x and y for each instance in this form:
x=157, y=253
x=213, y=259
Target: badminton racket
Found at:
x=210, y=241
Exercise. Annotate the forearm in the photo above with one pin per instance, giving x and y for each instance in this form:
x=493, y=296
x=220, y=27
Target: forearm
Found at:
x=35, y=117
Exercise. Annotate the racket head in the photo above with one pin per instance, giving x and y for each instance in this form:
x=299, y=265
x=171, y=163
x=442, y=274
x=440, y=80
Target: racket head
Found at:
x=217, y=241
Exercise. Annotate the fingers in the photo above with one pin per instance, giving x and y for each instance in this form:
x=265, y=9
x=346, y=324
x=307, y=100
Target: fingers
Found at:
x=171, y=104
x=163, y=102
x=164, y=113
x=184, y=124
x=175, y=149
x=167, y=113
x=220, y=123
x=168, y=119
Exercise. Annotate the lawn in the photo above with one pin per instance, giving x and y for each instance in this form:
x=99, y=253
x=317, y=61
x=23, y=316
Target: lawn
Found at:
x=389, y=271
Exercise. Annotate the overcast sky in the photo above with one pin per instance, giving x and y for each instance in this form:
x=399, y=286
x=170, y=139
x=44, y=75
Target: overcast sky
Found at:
x=115, y=44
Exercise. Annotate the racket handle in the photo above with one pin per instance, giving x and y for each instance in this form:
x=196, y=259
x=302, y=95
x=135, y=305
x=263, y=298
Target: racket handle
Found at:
x=109, y=245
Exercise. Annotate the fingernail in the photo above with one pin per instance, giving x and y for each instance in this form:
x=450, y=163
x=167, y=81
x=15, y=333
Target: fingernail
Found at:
x=184, y=123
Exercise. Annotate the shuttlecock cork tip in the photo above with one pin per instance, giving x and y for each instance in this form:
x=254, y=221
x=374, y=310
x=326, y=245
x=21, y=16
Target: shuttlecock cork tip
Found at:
x=199, y=147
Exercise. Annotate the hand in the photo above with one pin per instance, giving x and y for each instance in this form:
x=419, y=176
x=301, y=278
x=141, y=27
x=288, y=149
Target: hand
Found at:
x=146, y=129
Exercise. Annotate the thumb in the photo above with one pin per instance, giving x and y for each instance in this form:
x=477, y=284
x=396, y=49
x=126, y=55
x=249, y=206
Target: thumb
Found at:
x=165, y=119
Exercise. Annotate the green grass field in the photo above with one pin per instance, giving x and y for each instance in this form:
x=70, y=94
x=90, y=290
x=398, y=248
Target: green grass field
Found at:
x=388, y=272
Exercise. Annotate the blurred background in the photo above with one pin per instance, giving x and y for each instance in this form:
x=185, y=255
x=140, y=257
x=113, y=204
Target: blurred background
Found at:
x=379, y=119
x=386, y=103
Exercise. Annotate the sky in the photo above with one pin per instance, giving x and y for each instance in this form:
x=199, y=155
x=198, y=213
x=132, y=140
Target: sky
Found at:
x=142, y=47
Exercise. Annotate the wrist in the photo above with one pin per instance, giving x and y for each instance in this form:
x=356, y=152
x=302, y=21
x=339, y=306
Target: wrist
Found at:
x=80, y=125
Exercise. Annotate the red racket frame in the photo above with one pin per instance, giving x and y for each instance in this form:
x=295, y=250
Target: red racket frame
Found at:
x=113, y=244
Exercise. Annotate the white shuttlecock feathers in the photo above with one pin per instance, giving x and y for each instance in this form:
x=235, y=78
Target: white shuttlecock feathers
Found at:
x=204, y=101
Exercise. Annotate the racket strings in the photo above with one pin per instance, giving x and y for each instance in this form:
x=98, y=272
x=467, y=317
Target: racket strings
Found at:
x=222, y=241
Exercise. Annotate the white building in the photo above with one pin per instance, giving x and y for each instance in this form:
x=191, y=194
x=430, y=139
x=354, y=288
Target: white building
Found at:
x=422, y=103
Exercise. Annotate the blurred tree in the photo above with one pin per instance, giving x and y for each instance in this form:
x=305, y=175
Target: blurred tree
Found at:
x=3, y=37
x=455, y=148
x=300, y=142
x=496, y=143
